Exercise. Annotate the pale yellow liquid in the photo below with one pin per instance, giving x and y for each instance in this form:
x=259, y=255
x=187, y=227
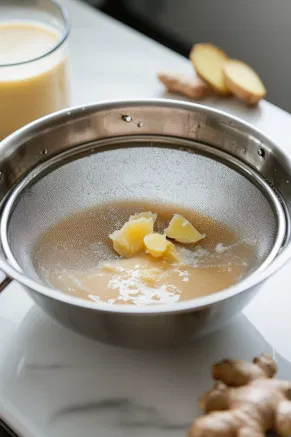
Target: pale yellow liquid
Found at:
x=32, y=90
x=76, y=256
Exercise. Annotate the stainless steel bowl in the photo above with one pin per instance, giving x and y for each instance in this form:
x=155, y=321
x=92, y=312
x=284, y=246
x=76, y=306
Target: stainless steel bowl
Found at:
x=255, y=190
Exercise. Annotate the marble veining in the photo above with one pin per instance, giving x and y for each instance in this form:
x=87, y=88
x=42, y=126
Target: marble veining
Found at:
x=128, y=414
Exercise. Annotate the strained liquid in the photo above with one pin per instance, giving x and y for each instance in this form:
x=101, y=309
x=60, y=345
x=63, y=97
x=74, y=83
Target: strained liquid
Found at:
x=77, y=257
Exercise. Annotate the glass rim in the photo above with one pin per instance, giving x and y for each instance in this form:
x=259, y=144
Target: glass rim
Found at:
x=64, y=36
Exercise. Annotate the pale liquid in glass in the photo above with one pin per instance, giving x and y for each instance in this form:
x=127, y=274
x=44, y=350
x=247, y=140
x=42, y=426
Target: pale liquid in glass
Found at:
x=30, y=90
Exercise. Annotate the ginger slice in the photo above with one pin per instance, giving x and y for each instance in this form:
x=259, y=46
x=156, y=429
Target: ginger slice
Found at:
x=156, y=244
x=193, y=88
x=181, y=230
x=245, y=402
x=208, y=61
x=243, y=81
x=171, y=254
x=129, y=240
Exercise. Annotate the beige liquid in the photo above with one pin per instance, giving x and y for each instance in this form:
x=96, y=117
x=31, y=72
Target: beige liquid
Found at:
x=30, y=90
x=70, y=257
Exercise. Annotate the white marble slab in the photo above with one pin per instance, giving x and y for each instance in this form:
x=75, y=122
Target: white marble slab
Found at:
x=55, y=383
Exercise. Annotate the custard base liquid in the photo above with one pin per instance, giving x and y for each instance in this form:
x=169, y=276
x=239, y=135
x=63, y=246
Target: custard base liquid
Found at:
x=76, y=256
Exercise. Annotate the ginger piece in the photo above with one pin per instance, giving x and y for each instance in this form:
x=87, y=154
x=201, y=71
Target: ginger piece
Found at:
x=243, y=82
x=129, y=240
x=245, y=402
x=181, y=230
x=193, y=88
x=156, y=244
x=208, y=61
x=171, y=254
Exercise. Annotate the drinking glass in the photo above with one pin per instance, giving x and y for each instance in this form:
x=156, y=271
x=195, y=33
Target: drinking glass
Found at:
x=33, y=61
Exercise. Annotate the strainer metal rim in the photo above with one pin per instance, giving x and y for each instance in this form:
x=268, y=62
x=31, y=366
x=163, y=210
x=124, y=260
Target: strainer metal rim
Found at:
x=190, y=305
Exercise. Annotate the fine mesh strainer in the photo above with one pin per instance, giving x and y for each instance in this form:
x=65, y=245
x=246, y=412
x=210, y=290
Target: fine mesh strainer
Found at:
x=152, y=170
x=156, y=152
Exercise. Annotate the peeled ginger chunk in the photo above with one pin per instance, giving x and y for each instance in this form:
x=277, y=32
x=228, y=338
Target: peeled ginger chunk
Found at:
x=244, y=82
x=208, y=61
x=129, y=240
x=181, y=230
x=156, y=244
x=172, y=255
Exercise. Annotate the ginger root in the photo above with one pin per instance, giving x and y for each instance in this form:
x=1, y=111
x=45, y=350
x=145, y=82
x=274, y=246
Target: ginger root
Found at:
x=216, y=74
x=192, y=87
x=245, y=402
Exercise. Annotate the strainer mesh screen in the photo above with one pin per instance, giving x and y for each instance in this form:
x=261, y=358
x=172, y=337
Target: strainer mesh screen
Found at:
x=155, y=174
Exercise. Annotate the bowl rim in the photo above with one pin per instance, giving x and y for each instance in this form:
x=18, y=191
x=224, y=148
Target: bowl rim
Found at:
x=177, y=307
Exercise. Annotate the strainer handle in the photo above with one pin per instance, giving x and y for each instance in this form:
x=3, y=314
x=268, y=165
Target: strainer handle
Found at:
x=6, y=281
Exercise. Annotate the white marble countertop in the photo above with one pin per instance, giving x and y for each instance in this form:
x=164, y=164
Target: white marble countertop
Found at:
x=55, y=383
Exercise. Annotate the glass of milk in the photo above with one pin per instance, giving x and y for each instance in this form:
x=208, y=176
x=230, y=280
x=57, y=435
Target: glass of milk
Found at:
x=33, y=61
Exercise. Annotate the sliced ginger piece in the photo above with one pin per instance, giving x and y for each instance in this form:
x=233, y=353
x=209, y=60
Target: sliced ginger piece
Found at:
x=243, y=81
x=129, y=240
x=181, y=230
x=191, y=87
x=208, y=61
x=156, y=244
x=172, y=255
